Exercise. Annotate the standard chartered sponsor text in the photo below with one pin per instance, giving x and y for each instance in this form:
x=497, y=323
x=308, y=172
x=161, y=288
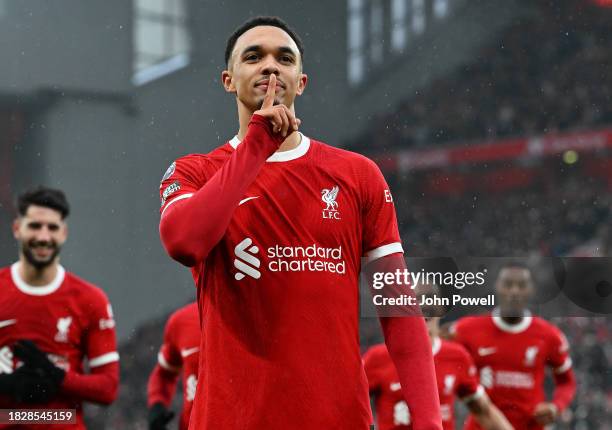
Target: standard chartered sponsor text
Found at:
x=312, y=258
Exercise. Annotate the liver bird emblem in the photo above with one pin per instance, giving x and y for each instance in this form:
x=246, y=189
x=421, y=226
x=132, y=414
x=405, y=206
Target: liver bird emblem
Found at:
x=329, y=198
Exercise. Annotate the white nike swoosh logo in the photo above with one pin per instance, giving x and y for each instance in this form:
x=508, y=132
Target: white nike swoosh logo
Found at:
x=188, y=352
x=247, y=199
x=6, y=323
x=486, y=351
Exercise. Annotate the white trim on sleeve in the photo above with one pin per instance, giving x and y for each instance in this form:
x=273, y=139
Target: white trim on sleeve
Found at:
x=163, y=363
x=103, y=359
x=476, y=395
x=567, y=364
x=383, y=251
x=181, y=197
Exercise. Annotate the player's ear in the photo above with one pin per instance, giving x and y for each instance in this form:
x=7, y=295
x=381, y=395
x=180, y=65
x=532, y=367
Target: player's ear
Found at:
x=15, y=227
x=227, y=81
x=303, y=80
x=64, y=231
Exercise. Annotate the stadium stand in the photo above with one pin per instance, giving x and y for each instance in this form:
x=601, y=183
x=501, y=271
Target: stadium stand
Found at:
x=514, y=87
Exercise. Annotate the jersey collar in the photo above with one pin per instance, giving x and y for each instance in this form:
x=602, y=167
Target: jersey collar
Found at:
x=436, y=344
x=42, y=290
x=512, y=328
x=280, y=156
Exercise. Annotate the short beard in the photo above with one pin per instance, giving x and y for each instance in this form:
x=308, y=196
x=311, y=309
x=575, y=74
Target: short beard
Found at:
x=26, y=249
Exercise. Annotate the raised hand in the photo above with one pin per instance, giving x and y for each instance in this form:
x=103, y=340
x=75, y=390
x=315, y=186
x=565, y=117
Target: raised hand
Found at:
x=281, y=117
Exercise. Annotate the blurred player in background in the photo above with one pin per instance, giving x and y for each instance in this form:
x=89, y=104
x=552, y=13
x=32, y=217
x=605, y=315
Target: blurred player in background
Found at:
x=178, y=355
x=274, y=225
x=455, y=372
x=512, y=348
x=50, y=320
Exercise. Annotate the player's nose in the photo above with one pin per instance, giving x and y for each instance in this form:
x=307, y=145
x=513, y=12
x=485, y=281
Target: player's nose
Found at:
x=43, y=234
x=270, y=66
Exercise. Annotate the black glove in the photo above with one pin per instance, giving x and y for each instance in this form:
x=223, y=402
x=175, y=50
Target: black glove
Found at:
x=7, y=384
x=159, y=417
x=38, y=380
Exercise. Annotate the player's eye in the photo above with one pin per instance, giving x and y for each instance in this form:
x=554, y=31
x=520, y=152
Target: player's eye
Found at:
x=35, y=225
x=53, y=227
x=251, y=57
x=286, y=59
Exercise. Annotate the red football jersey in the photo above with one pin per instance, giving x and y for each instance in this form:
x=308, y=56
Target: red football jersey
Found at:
x=180, y=353
x=511, y=360
x=69, y=319
x=455, y=374
x=279, y=293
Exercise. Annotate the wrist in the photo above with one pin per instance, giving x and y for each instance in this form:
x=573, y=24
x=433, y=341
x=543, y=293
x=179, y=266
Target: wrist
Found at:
x=261, y=131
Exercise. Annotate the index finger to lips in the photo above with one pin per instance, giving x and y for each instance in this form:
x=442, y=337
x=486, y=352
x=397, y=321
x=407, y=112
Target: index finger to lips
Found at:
x=270, y=93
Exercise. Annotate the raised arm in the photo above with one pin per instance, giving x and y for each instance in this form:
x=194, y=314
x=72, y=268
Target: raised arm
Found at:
x=192, y=224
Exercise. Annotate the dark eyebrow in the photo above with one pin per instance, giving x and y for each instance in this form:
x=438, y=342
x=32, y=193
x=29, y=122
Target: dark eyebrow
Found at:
x=286, y=50
x=251, y=48
x=257, y=48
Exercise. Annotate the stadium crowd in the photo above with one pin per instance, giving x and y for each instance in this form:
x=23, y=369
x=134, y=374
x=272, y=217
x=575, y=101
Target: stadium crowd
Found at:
x=550, y=217
x=514, y=87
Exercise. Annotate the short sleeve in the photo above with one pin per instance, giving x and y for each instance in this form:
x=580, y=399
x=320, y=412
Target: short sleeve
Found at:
x=380, y=231
x=558, y=356
x=373, y=368
x=101, y=336
x=169, y=356
x=468, y=387
x=182, y=179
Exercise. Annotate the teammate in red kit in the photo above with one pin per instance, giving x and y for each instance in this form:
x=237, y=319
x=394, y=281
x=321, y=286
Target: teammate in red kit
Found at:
x=50, y=321
x=511, y=350
x=178, y=356
x=455, y=373
x=274, y=225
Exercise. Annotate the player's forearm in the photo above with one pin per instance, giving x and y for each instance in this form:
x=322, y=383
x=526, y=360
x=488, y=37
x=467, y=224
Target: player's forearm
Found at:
x=100, y=386
x=410, y=349
x=161, y=386
x=565, y=389
x=190, y=228
x=488, y=415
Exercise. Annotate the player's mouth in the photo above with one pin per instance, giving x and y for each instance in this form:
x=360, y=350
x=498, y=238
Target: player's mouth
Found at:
x=42, y=250
x=263, y=84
